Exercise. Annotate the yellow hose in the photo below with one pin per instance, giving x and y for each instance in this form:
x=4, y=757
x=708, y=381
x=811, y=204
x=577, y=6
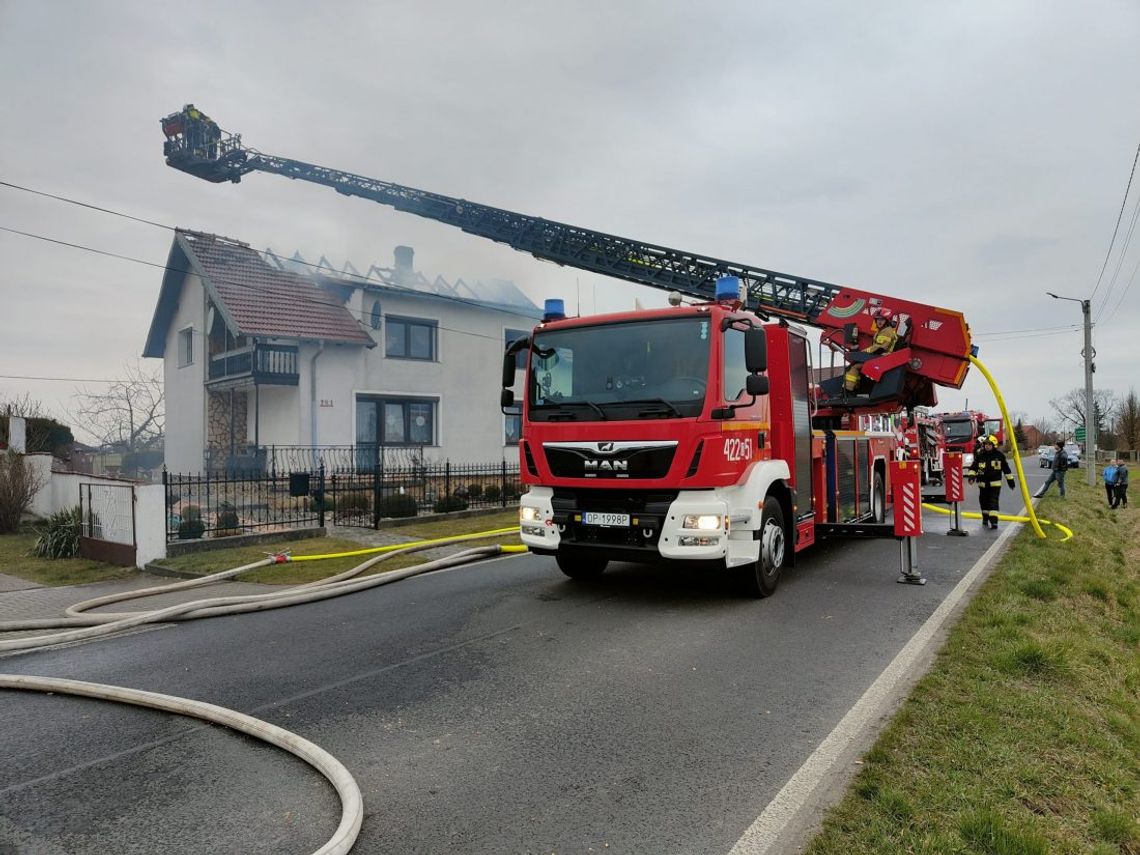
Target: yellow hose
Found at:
x=1032, y=518
x=974, y=515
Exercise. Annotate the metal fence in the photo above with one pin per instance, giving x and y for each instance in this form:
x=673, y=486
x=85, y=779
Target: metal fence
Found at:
x=343, y=485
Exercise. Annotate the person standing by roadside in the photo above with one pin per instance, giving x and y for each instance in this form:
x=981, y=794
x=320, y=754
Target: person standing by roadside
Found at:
x=1060, y=464
x=987, y=469
x=1120, y=486
x=1109, y=476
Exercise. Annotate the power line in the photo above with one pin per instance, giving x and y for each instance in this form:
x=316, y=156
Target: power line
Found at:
x=360, y=316
x=1119, y=216
x=63, y=379
x=85, y=205
x=1027, y=329
x=1120, y=257
x=1123, y=293
x=316, y=266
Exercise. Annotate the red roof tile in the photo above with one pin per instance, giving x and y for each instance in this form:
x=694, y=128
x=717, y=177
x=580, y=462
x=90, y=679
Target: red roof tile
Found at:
x=262, y=300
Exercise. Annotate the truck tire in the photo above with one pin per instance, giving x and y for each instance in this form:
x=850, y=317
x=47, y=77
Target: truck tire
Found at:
x=878, y=499
x=761, y=578
x=577, y=565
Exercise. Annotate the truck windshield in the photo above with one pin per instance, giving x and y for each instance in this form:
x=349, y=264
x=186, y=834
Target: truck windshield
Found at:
x=621, y=371
x=959, y=431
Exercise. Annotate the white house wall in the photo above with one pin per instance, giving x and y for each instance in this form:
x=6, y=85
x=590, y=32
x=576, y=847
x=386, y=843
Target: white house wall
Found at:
x=465, y=378
x=183, y=387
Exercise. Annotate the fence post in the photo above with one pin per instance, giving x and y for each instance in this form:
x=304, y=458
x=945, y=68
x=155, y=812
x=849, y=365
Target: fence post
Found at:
x=321, y=493
x=446, y=478
x=503, y=484
x=376, y=488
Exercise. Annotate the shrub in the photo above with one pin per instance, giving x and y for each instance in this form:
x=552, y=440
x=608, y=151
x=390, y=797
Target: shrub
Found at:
x=398, y=505
x=445, y=504
x=492, y=493
x=474, y=491
x=191, y=527
x=354, y=502
x=318, y=503
x=226, y=523
x=59, y=535
x=18, y=486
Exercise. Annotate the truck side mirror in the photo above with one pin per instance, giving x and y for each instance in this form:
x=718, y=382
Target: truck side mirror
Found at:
x=756, y=385
x=507, y=398
x=755, y=350
x=851, y=334
x=508, y=370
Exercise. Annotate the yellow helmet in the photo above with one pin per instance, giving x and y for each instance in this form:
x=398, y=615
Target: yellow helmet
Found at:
x=992, y=438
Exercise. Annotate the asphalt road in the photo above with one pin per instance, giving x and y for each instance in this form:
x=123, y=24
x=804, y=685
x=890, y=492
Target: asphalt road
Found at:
x=494, y=708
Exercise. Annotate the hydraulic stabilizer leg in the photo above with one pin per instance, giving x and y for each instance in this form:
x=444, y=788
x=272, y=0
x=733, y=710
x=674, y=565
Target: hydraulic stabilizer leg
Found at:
x=908, y=561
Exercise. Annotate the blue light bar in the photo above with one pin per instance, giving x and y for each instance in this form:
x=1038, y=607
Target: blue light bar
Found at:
x=728, y=288
x=554, y=310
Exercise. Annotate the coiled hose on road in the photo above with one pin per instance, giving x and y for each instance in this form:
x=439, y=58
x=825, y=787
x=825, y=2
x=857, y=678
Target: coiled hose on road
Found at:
x=1032, y=517
x=352, y=803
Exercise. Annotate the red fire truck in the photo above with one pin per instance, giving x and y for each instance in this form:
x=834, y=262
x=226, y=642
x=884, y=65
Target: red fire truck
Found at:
x=919, y=437
x=963, y=431
x=690, y=433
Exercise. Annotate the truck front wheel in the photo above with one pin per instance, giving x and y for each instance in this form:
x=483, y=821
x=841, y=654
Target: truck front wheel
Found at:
x=580, y=566
x=760, y=579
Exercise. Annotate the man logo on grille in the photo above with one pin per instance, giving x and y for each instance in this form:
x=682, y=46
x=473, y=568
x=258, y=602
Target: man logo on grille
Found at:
x=606, y=447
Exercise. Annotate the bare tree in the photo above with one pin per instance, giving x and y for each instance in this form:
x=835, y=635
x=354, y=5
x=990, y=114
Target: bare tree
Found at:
x=19, y=484
x=1128, y=420
x=1070, y=408
x=23, y=406
x=129, y=415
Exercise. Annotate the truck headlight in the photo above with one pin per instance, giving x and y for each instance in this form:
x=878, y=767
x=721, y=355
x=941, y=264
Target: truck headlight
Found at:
x=528, y=513
x=703, y=522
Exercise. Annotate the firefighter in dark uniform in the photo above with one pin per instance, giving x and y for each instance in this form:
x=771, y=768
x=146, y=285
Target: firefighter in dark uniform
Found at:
x=987, y=470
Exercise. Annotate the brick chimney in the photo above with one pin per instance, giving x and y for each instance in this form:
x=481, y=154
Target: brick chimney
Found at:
x=404, y=258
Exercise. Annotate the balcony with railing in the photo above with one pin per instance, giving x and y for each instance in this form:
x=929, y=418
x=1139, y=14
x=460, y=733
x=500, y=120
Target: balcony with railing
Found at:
x=263, y=364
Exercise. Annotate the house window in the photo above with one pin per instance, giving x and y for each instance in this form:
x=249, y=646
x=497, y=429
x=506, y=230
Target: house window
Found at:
x=374, y=316
x=395, y=421
x=186, y=347
x=410, y=338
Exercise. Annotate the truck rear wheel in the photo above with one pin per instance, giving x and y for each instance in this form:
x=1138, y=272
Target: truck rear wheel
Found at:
x=761, y=578
x=878, y=499
x=577, y=565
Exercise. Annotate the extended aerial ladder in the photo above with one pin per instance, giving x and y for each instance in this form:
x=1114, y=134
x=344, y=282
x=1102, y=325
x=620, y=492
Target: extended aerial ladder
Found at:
x=934, y=343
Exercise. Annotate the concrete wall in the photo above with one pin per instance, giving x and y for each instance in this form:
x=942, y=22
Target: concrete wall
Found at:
x=150, y=524
x=465, y=378
x=60, y=491
x=185, y=386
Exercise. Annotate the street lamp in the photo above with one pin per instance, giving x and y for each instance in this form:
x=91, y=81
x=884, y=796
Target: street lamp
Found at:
x=1090, y=413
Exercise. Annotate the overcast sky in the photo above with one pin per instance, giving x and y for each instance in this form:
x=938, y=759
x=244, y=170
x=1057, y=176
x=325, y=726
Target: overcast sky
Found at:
x=968, y=154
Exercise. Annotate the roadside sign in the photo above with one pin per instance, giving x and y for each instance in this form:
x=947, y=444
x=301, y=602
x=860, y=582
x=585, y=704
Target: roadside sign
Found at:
x=1079, y=434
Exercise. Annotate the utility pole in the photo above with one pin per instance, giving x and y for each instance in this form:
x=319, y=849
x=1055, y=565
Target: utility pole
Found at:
x=1090, y=406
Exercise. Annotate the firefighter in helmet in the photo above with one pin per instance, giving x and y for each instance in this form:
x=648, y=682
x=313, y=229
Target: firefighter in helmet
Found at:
x=987, y=470
x=884, y=338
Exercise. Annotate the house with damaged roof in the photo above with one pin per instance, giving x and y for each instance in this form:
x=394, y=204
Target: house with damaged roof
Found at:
x=263, y=354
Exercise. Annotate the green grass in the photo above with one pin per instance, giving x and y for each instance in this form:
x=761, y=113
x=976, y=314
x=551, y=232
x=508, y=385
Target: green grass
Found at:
x=309, y=571
x=1025, y=736
x=16, y=559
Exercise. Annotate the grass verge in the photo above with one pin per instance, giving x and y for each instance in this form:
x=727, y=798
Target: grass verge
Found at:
x=205, y=563
x=16, y=559
x=1024, y=739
